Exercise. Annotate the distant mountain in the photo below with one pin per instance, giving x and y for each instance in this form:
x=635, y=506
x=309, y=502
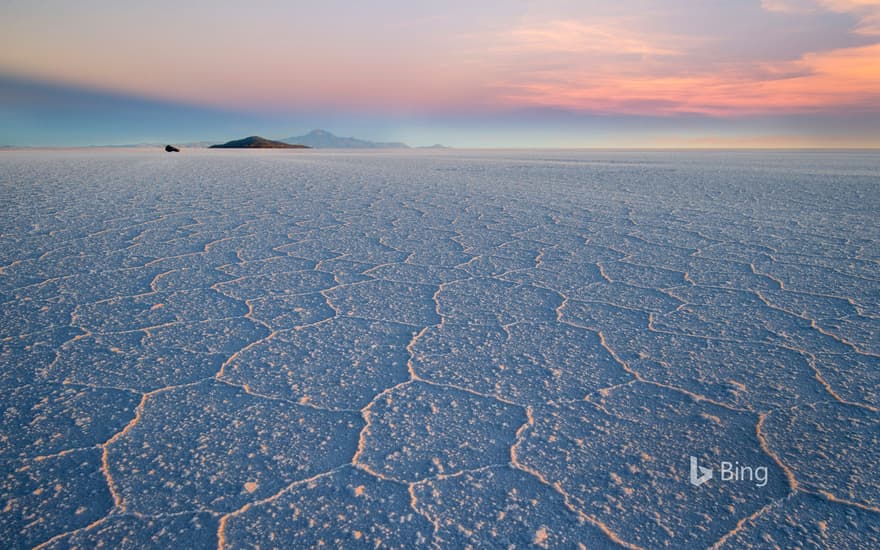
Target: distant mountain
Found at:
x=435, y=146
x=257, y=142
x=322, y=139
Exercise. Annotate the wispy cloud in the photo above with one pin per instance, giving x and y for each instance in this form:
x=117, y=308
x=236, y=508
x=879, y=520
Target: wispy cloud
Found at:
x=605, y=36
x=789, y=6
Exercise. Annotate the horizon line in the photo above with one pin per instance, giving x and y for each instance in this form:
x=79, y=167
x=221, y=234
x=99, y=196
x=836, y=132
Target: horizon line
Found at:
x=150, y=146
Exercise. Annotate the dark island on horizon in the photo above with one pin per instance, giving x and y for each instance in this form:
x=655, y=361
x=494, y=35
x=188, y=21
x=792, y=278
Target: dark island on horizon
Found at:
x=316, y=139
x=257, y=142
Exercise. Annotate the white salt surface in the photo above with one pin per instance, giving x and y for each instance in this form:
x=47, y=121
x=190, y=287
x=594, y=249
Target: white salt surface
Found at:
x=445, y=348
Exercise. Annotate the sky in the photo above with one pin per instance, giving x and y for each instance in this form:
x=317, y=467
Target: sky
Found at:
x=513, y=73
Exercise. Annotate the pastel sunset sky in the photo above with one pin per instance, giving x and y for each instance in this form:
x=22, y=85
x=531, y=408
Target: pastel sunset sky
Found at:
x=515, y=73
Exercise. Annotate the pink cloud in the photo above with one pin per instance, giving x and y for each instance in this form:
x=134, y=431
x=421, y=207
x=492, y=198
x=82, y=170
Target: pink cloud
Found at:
x=663, y=80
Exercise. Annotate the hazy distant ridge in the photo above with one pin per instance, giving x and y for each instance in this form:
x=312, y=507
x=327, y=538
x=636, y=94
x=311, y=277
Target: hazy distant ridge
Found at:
x=322, y=139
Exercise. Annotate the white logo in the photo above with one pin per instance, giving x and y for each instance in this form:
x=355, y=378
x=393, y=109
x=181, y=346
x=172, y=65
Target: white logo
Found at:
x=699, y=475
x=730, y=471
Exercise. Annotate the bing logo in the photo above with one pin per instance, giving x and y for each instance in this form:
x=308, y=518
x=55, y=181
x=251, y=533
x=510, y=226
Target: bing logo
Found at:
x=729, y=471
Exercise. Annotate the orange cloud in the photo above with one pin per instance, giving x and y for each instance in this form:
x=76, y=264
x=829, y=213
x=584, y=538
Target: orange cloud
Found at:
x=846, y=78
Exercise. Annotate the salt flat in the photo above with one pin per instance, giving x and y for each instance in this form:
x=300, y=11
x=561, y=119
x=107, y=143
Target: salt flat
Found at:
x=444, y=348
